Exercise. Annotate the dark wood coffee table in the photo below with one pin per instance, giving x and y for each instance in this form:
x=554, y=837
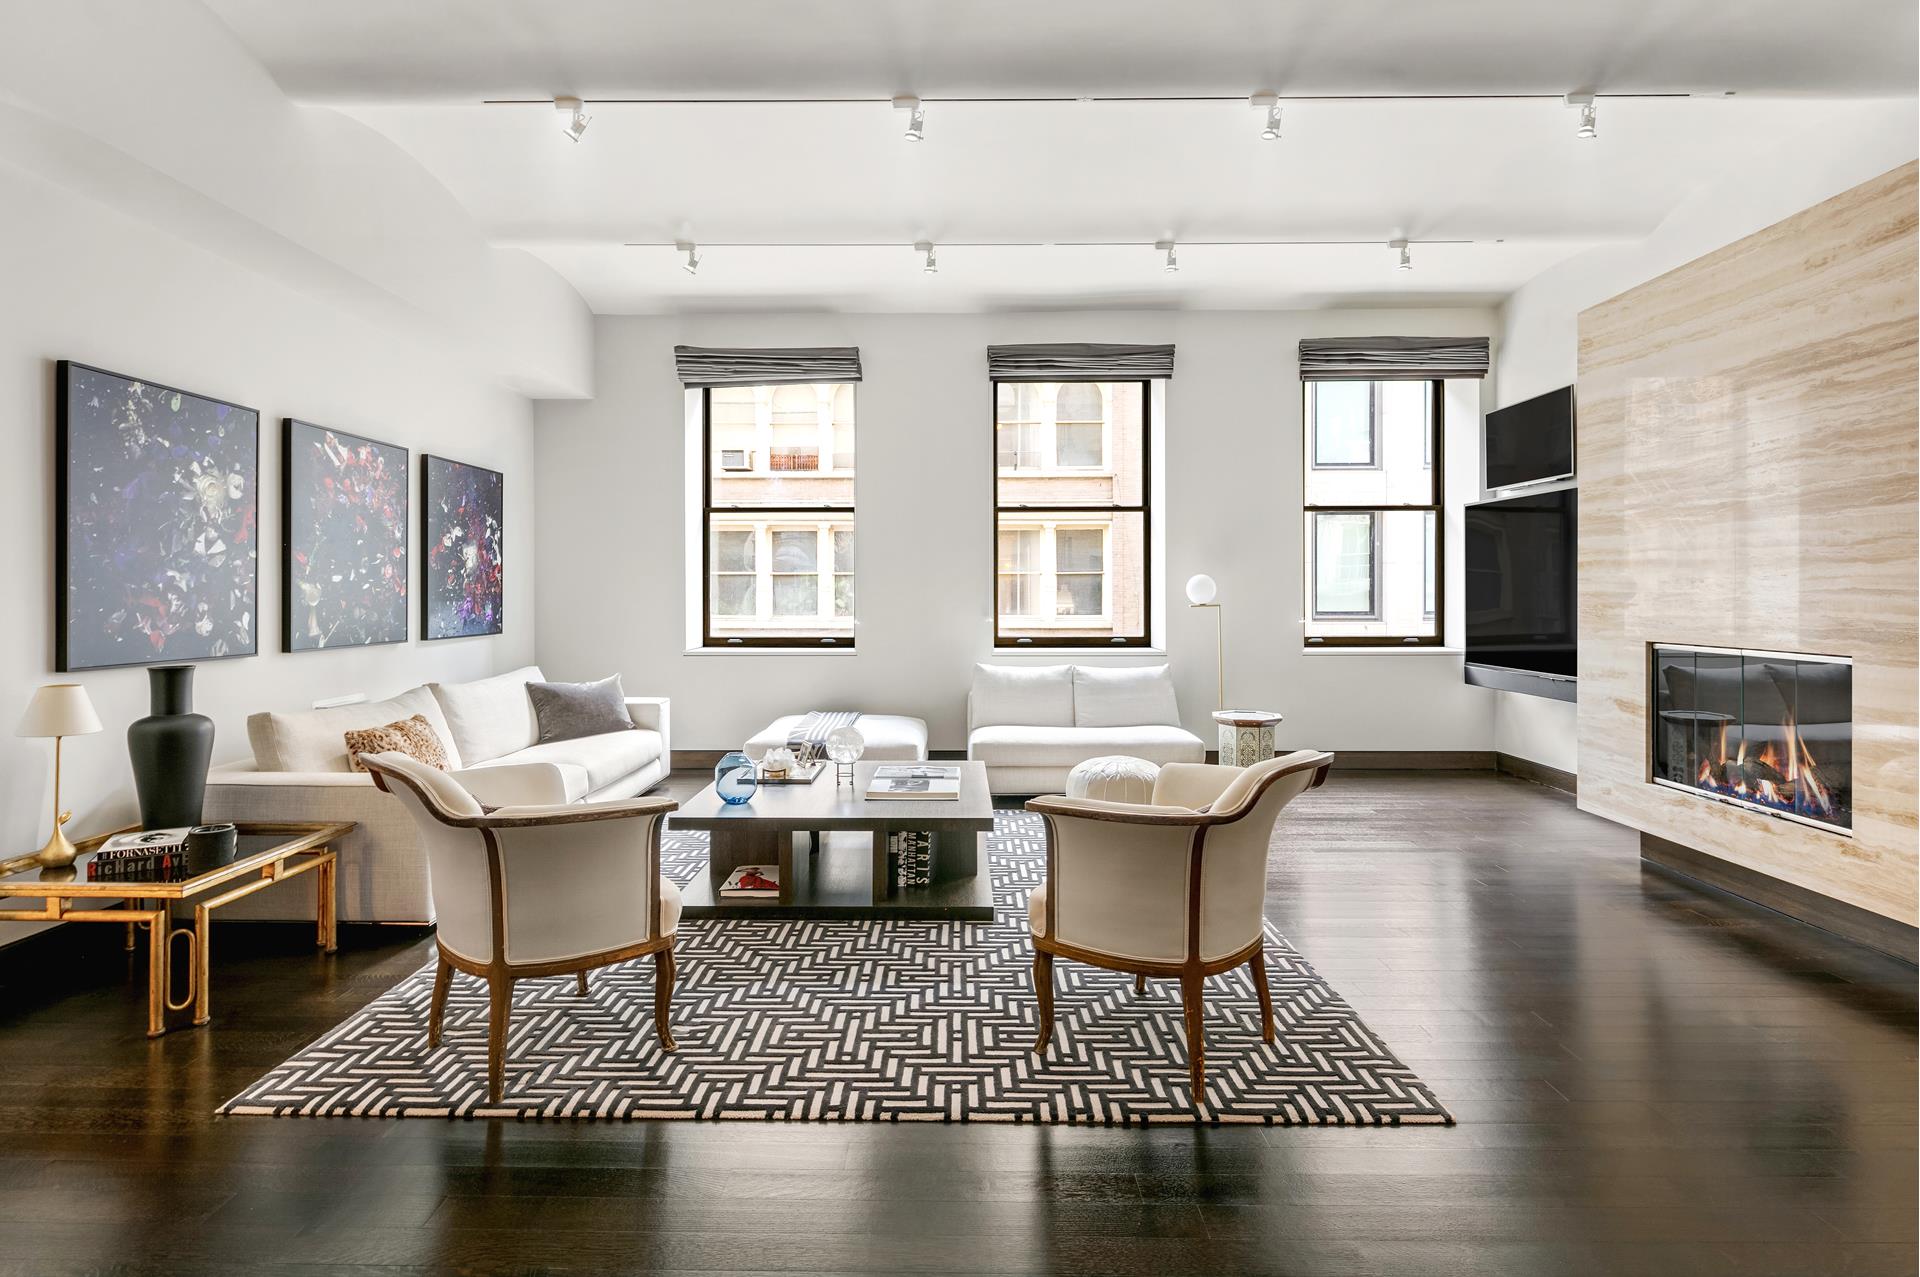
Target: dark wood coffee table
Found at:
x=844, y=873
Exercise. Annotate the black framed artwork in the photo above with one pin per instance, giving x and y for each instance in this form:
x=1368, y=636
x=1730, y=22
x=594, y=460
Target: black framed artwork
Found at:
x=157, y=523
x=462, y=549
x=344, y=551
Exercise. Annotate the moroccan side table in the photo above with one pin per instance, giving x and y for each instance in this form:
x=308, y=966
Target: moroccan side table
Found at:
x=1246, y=735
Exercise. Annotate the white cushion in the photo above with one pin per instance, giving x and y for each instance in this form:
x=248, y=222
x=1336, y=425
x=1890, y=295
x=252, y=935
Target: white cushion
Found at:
x=891, y=738
x=1114, y=778
x=1021, y=695
x=1065, y=746
x=314, y=740
x=1104, y=697
x=606, y=759
x=490, y=717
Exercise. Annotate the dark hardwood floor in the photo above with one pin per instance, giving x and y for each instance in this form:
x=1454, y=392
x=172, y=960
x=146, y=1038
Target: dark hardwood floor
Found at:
x=1648, y=1079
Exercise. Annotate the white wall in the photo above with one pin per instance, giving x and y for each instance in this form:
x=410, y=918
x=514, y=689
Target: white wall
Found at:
x=88, y=283
x=1539, y=324
x=613, y=546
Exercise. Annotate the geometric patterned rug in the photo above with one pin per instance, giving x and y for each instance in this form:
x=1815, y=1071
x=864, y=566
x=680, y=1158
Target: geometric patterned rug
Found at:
x=861, y=1021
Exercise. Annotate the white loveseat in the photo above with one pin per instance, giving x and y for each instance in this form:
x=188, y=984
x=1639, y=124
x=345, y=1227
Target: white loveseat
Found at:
x=300, y=771
x=1031, y=724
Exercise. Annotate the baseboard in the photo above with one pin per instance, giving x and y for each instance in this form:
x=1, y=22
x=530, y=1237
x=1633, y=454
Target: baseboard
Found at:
x=1538, y=773
x=1424, y=760
x=1849, y=922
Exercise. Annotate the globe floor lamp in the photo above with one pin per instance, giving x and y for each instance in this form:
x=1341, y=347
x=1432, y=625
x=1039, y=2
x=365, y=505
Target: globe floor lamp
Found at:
x=1200, y=593
x=58, y=710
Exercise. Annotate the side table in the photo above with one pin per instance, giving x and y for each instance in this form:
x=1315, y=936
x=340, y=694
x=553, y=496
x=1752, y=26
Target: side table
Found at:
x=1246, y=735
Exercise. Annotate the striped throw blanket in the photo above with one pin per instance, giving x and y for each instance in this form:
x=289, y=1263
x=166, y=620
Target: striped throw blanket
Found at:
x=810, y=733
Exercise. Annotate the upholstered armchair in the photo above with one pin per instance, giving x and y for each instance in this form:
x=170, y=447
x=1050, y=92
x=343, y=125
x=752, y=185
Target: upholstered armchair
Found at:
x=522, y=892
x=1173, y=888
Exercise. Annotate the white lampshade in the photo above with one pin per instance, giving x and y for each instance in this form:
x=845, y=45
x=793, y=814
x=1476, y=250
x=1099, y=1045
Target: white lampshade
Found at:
x=59, y=709
x=1200, y=590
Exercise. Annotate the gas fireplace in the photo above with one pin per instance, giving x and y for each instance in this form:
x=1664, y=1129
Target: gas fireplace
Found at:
x=1772, y=731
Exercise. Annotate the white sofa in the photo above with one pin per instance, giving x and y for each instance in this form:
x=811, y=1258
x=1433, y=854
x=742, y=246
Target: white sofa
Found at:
x=1031, y=724
x=300, y=771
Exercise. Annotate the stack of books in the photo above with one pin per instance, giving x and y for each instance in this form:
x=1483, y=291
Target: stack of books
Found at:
x=150, y=855
x=915, y=781
x=752, y=881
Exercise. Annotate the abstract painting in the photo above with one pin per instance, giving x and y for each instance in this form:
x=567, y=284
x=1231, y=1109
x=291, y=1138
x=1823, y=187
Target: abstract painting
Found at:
x=462, y=536
x=158, y=502
x=345, y=549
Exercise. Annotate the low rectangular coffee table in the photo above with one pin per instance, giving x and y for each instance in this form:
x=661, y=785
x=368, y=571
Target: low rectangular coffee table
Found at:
x=846, y=877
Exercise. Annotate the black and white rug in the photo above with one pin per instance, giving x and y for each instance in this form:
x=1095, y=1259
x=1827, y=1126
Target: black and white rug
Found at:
x=861, y=1021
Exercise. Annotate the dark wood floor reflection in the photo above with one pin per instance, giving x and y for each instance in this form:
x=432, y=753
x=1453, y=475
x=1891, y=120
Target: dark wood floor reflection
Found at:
x=1649, y=1079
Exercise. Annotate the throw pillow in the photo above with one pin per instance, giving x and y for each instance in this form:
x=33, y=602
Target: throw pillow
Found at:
x=568, y=711
x=413, y=737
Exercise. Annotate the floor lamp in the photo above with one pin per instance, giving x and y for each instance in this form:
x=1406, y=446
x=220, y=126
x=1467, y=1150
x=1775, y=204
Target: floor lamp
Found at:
x=1200, y=592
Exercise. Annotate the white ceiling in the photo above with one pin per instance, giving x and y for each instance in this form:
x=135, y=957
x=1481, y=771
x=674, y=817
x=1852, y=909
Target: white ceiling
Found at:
x=1508, y=176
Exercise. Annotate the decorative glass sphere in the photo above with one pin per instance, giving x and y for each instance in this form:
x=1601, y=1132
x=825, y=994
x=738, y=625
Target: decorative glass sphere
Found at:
x=1200, y=590
x=845, y=744
x=734, y=779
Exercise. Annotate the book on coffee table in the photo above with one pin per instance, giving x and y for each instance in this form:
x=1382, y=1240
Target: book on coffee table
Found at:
x=752, y=880
x=915, y=781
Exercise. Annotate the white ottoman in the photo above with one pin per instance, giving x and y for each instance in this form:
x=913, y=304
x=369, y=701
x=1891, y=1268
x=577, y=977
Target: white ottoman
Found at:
x=1114, y=778
x=891, y=738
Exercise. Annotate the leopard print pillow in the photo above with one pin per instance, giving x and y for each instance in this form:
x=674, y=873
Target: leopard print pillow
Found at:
x=413, y=737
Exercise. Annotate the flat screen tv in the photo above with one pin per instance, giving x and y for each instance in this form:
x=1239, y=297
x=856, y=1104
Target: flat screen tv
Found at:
x=1531, y=441
x=1522, y=625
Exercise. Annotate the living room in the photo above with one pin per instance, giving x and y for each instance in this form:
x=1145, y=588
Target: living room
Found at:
x=994, y=639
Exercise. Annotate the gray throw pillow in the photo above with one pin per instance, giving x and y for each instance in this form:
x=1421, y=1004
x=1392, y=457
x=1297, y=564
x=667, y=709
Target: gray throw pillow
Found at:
x=567, y=711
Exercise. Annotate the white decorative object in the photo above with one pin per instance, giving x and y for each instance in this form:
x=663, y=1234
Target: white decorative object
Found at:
x=844, y=747
x=777, y=761
x=1246, y=736
x=1115, y=778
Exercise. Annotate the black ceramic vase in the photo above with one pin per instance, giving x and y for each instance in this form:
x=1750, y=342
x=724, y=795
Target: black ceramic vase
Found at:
x=170, y=749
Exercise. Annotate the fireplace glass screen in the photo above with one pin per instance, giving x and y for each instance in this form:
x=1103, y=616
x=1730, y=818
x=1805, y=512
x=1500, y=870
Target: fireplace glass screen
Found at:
x=1764, y=730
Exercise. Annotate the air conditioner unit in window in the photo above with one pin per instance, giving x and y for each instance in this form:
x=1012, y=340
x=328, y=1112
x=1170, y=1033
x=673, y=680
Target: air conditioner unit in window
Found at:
x=736, y=459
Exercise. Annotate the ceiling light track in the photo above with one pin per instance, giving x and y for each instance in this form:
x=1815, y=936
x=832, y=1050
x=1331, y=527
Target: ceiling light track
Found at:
x=921, y=246
x=1158, y=97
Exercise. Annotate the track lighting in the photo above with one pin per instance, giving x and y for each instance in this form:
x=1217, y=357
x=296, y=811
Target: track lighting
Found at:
x=1167, y=246
x=1270, y=103
x=1588, y=125
x=916, y=112
x=692, y=264
x=1406, y=258
x=573, y=116
x=928, y=265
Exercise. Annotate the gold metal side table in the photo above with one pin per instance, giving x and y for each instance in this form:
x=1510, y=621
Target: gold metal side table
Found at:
x=267, y=853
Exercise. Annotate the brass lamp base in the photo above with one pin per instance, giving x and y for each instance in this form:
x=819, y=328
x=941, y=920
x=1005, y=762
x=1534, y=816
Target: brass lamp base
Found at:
x=58, y=852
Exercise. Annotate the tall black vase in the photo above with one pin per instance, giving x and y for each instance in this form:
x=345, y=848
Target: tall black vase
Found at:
x=170, y=749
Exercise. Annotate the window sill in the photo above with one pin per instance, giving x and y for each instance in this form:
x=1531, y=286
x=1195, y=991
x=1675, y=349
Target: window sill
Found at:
x=1383, y=650
x=1079, y=651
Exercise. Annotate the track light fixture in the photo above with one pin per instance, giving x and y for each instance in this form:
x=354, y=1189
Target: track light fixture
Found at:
x=1589, y=128
x=692, y=264
x=573, y=116
x=1167, y=246
x=928, y=264
x=1406, y=258
x=916, y=112
x=1270, y=103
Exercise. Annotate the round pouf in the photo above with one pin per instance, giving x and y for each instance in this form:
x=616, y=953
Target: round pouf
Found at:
x=1115, y=778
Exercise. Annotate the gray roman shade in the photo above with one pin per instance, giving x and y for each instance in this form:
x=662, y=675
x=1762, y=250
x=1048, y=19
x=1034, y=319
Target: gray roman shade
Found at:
x=1078, y=361
x=1391, y=358
x=765, y=366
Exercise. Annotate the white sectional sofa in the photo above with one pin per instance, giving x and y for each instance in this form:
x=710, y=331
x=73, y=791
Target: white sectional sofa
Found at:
x=1031, y=724
x=300, y=771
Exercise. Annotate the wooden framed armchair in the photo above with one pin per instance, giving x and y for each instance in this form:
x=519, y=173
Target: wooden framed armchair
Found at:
x=1173, y=888
x=523, y=892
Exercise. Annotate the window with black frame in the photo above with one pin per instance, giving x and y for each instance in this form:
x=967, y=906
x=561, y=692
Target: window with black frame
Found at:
x=1373, y=501
x=778, y=484
x=1072, y=517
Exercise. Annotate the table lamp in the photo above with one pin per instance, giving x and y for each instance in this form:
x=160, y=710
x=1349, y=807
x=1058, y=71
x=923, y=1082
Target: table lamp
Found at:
x=58, y=710
x=1200, y=593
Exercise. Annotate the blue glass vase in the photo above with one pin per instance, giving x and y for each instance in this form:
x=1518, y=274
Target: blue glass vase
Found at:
x=734, y=778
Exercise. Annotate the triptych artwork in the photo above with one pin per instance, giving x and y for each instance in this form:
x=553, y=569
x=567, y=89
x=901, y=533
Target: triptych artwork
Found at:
x=157, y=537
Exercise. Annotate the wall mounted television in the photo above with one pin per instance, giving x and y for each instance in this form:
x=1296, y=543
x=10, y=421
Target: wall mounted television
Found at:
x=1531, y=441
x=1522, y=601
